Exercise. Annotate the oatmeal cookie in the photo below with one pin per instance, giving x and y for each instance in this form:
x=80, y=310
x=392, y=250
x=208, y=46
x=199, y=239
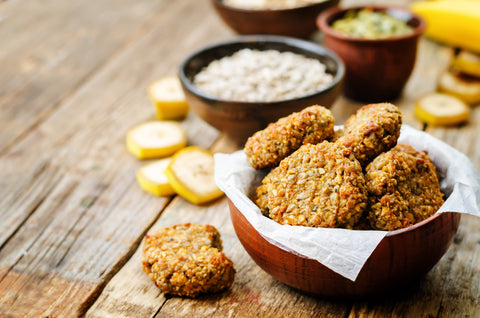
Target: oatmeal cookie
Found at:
x=266, y=148
x=403, y=188
x=372, y=130
x=318, y=185
x=186, y=260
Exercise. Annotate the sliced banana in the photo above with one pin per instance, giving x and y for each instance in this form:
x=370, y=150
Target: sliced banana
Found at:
x=468, y=63
x=152, y=179
x=441, y=109
x=191, y=174
x=167, y=95
x=156, y=139
x=465, y=88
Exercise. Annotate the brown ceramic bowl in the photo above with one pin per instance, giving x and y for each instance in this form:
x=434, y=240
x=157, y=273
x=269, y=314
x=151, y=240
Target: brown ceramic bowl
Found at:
x=295, y=22
x=376, y=70
x=401, y=259
x=239, y=120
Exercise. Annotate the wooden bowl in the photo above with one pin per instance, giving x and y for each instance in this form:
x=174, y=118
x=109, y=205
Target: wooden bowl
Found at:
x=239, y=120
x=295, y=22
x=401, y=259
x=376, y=70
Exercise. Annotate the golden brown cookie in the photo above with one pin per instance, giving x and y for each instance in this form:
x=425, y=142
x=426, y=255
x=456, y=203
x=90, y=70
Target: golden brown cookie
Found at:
x=374, y=129
x=266, y=148
x=318, y=185
x=186, y=260
x=403, y=188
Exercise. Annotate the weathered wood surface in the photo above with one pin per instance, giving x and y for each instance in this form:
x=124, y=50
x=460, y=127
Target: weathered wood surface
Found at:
x=73, y=79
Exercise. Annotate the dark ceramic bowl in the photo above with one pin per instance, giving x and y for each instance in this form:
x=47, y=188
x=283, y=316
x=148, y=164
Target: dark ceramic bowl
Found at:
x=295, y=22
x=239, y=120
x=376, y=70
x=401, y=259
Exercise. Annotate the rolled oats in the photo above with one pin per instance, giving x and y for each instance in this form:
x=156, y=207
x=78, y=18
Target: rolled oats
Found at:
x=262, y=76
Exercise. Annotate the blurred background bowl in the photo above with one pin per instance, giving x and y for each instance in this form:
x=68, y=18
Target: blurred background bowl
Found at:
x=376, y=70
x=401, y=259
x=239, y=120
x=295, y=22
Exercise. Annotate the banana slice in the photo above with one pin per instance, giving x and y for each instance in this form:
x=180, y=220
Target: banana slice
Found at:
x=464, y=87
x=468, y=63
x=168, y=97
x=152, y=179
x=156, y=139
x=441, y=109
x=191, y=174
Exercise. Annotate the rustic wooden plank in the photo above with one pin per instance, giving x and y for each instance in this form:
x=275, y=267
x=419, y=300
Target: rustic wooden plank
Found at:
x=59, y=243
x=89, y=215
x=41, y=65
x=111, y=104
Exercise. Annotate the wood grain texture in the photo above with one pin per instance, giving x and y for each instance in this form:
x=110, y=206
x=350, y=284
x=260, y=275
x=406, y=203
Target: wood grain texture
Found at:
x=73, y=211
x=44, y=63
x=72, y=217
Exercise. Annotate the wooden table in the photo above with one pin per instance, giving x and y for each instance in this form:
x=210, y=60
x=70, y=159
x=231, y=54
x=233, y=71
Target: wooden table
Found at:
x=73, y=80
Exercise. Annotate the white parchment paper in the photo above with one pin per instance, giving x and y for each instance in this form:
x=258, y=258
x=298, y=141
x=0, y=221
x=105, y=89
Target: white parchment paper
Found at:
x=346, y=251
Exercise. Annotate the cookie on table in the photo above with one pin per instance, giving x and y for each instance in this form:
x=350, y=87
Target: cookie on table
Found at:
x=403, y=188
x=186, y=260
x=267, y=147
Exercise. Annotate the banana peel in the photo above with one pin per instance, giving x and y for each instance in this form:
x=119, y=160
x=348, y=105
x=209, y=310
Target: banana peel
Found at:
x=452, y=22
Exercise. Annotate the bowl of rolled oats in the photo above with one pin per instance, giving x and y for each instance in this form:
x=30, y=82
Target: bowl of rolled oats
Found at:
x=241, y=85
x=291, y=18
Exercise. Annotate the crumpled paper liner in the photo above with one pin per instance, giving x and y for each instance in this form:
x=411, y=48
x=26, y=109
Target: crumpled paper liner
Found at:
x=346, y=251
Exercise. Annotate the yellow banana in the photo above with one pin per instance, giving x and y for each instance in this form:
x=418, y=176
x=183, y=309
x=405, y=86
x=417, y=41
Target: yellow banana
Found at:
x=191, y=174
x=453, y=22
x=441, y=109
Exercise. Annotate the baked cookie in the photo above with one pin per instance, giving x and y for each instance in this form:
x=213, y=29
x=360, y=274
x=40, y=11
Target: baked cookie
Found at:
x=266, y=148
x=318, y=185
x=374, y=129
x=186, y=260
x=403, y=188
